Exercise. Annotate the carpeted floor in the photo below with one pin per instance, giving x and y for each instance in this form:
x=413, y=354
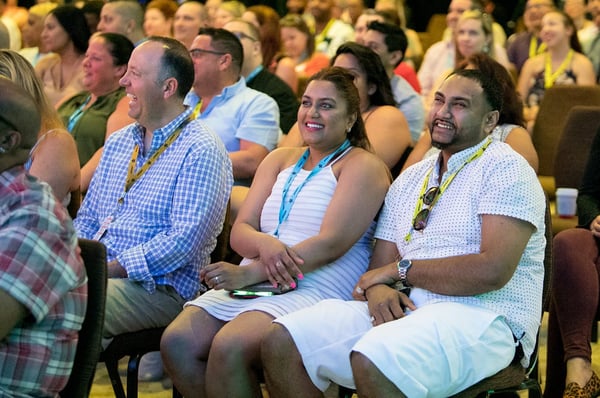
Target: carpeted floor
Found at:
x=103, y=389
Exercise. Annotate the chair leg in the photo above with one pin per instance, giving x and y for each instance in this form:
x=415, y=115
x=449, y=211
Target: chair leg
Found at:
x=176, y=393
x=112, y=367
x=132, y=375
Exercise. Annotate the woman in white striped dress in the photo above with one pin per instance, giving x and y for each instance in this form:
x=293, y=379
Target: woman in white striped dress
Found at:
x=309, y=215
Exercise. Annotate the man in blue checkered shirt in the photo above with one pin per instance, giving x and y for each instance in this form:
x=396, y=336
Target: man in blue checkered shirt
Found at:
x=159, y=196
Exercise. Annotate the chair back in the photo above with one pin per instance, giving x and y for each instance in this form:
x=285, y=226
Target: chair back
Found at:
x=90, y=335
x=219, y=253
x=551, y=119
x=574, y=145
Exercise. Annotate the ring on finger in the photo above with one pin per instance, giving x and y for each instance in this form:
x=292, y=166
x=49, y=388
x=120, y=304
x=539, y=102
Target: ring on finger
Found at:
x=216, y=279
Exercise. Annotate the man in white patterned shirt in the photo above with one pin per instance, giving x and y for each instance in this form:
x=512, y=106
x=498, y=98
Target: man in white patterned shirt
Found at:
x=159, y=196
x=464, y=231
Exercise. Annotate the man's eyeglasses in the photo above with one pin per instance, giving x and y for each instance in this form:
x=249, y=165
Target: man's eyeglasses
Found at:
x=197, y=52
x=420, y=221
x=242, y=35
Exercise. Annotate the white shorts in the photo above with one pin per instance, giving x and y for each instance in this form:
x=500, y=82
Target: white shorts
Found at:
x=438, y=350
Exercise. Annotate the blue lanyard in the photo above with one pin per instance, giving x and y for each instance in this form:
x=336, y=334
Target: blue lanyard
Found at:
x=286, y=204
x=77, y=114
x=253, y=74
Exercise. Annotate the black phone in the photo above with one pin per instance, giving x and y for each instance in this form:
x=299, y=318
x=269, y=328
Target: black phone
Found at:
x=261, y=289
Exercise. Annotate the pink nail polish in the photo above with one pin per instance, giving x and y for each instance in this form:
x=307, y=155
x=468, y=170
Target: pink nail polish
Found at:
x=293, y=285
x=300, y=276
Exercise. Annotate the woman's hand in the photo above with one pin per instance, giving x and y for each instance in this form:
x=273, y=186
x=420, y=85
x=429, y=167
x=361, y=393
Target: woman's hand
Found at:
x=280, y=261
x=387, y=304
x=384, y=275
x=595, y=227
x=282, y=269
x=223, y=275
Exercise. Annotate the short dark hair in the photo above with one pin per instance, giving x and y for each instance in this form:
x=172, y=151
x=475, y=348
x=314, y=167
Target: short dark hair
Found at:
x=344, y=84
x=176, y=62
x=119, y=46
x=395, y=38
x=492, y=89
x=373, y=68
x=225, y=41
x=512, y=105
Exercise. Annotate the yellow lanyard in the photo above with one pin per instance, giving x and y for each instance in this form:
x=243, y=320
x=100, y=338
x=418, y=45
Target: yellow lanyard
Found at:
x=533, y=47
x=549, y=77
x=196, y=111
x=444, y=185
x=321, y=36
x=132, y=175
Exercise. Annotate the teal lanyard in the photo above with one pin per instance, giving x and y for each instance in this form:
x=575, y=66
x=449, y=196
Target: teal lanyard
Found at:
x=286, y=204
x=77, y=114
x=253, y=74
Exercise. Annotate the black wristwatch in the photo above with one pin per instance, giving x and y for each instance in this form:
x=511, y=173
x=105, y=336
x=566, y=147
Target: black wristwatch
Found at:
x=403, y=267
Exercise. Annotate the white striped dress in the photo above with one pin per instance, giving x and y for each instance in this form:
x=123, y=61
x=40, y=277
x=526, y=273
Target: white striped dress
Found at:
x=334, y=280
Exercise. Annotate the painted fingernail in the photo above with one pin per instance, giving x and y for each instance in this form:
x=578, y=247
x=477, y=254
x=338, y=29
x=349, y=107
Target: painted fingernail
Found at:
x=293, y=285
x=300, y=276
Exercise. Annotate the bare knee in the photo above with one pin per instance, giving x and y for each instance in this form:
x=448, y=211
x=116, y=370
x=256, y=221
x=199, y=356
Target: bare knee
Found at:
x=277, y=344
x=183, y=339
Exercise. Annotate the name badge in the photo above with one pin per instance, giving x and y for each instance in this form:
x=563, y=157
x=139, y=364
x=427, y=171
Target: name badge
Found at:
x=103, y=227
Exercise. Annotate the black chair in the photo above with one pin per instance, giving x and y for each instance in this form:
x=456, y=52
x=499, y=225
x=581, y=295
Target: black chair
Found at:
x=135, y=344
x=514, y=378
x=90, y=336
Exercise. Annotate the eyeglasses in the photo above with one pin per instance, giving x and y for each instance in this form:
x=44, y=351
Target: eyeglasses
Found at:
x=420, y=221
x=242, y=35
x=197, y=52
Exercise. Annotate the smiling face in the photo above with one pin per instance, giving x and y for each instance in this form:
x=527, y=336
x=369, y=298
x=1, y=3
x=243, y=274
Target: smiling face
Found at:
x=294, y=42
x=360, y=27
x=207, y=65
x=365, y=89
x=323, y=117
x=100, y=74
x=470, y=37
x=534, y=11
x=141, y=82
x=54, y=37
x=554, y=30
x=457, y=114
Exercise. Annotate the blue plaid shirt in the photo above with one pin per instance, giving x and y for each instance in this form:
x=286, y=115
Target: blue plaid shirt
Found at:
x=167, y=225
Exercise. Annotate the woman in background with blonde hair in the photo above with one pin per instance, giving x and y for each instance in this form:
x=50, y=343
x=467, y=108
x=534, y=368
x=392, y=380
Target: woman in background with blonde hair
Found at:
x=54, y=157
x=228, y=11
x=33, y=49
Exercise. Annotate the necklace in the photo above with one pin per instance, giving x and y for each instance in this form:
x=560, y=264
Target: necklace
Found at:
x=549, y=77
